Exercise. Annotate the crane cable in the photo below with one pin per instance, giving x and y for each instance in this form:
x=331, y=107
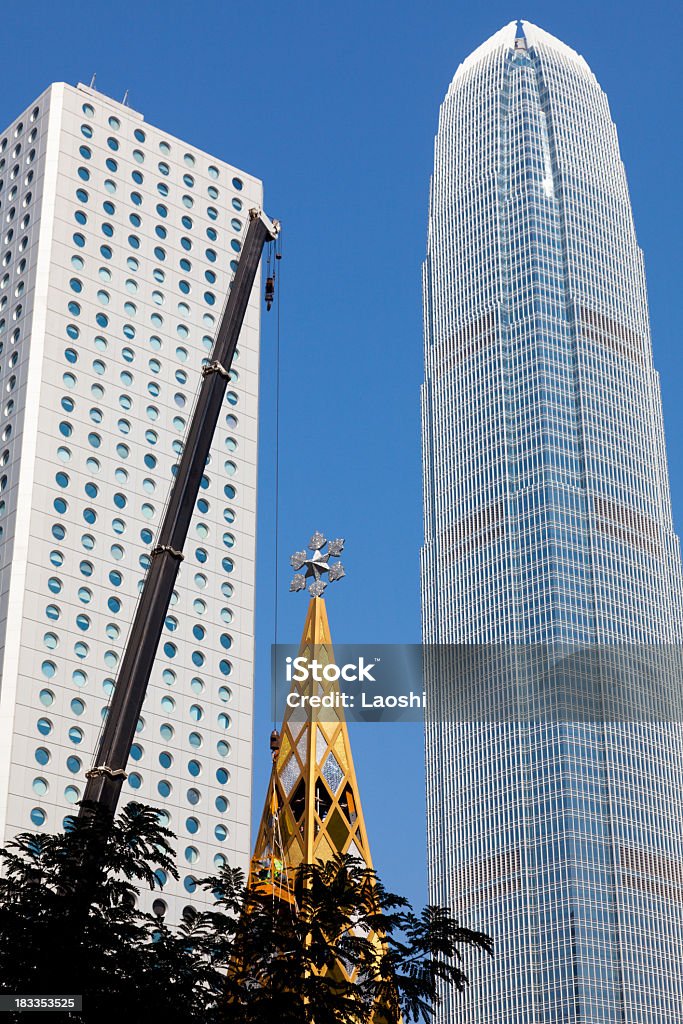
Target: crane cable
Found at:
x=277, y=842
x=277, y=245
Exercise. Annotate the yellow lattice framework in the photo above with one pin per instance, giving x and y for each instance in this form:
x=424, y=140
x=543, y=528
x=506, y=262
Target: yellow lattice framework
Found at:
x=313, y=809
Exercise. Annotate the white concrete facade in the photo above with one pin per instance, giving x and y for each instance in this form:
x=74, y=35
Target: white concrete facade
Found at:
x=117, y=246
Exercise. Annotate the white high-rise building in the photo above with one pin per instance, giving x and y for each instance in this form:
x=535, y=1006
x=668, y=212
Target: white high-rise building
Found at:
x=117, y=246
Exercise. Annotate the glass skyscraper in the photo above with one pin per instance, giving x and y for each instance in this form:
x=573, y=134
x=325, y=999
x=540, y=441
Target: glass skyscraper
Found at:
x=548, y=528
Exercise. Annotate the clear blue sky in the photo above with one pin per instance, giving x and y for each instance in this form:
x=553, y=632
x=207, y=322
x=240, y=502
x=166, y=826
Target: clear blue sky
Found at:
x=335, y=108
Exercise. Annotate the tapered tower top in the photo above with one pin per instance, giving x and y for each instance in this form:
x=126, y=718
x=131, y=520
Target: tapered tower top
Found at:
x=520, y=35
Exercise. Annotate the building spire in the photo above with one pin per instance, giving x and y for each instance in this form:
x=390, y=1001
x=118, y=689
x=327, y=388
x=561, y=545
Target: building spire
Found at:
x=520, y=37
x=312, y=809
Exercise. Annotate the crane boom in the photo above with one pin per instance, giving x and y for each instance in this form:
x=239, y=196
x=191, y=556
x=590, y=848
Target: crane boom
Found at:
x=107, y=776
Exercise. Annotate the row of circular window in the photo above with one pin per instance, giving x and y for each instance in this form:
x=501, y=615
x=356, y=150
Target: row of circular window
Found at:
x=8, y=410
x=13, y=338
x=85, y=596
x=192, y=825
x=128, y=355
x=129, y=332
x=74, y=764
x=166, y=729
x=81, y=649
x=162, y=187
x=130, y=308
x=41, y=787
x=110, y=209
x=86, y=153
x=99, y=366
x=51, y=640
x=121, y=476
x=16, y=169
x=120, y=500
x=88, y=543
x=158, y=273
x=7, y=257
x=19, y=128
x=13, y=185
x=83, y=622
x=194, y=767
x=119, y=527
x=164, y=788
x=188, y=182
x=14, y=209
x=9, y=235
x=38, y=817
x=155, y=366
x=134, y=241
x=5, y=280
x=96, y=415
x=7, y=428
x=201, y=528
x=116, y=578
x=148, y=484
x=164, y=147
x=79, y=677
x=114, y=604
x=17, y=148
x=132, y=285
x=117, y=551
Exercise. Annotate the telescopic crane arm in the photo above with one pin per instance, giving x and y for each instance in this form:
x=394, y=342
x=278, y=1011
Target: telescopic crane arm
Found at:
x=107, y=776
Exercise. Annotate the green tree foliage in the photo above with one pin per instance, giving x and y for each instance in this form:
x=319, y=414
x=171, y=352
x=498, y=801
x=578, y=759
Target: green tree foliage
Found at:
x=67, y=927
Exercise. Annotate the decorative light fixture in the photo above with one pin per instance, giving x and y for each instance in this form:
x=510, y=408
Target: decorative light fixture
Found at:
x=317, y=564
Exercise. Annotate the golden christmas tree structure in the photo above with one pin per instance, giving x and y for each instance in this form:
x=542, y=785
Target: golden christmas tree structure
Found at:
x=313, y=809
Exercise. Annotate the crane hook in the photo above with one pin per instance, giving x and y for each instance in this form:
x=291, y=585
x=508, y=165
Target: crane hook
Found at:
x=270, y=291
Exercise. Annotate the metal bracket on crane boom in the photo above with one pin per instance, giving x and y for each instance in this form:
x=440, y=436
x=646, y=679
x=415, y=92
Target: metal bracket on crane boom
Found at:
x=161, y=548
x=215, y=367
x=103, y=769
x=271, y=226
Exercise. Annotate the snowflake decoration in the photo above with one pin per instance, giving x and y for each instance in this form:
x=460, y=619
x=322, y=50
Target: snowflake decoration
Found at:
x=317, y=564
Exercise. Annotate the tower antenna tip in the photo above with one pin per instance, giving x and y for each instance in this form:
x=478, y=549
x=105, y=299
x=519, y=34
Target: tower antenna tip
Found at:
x=520, y=38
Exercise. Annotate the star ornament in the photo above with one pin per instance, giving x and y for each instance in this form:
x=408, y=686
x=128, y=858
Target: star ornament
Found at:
x=316, y=563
